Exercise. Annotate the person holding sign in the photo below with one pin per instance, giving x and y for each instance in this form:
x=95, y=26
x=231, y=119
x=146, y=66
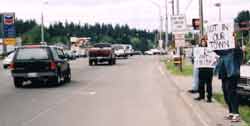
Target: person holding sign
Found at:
x=205, y=73
x=228, y=69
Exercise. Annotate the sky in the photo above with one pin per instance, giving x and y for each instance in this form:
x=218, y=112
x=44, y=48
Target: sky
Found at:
x=141, y=14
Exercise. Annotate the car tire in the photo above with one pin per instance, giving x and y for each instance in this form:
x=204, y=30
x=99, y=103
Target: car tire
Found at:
x=114, y=61
x=57, y=80
x=18, y=82
x=68, y=76
x=95, y=62
x=110, y=62
x=90, y=63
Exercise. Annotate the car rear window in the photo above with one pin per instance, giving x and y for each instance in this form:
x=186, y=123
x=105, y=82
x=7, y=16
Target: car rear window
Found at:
x=32, y=54
x=102, y=45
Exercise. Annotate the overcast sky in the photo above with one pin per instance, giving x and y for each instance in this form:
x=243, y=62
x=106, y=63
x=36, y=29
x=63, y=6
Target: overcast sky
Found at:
x=141, y=14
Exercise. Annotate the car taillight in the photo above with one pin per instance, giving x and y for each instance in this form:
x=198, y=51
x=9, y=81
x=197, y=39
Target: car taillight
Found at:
x=11, y=66
x=53, y=66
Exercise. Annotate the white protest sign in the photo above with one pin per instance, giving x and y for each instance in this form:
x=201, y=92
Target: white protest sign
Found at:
x=204, y=58
x=220, y=36
x=178, y=23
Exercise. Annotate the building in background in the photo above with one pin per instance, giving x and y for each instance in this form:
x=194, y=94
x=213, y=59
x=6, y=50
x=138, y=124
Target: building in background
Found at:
x=79, y=45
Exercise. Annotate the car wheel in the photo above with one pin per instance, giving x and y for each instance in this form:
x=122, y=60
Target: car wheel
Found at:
x=57, y=80
x=114, y=61
x=95, y=62
x=90, y=62
x=18, y=82
x=68, y=76
x=110, y=62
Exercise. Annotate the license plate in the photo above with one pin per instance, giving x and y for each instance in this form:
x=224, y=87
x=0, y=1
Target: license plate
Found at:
x=99, y=58
x=32, y=75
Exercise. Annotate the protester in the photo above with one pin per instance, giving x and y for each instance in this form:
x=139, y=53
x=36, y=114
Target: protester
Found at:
x=228, y=68
x=205, y=80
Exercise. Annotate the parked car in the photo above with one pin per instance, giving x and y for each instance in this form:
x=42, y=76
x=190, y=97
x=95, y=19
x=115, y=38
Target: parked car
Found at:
x=70, y=55
x=243, y=87
x=137, y=53
x=120, y=50
x=8, y=60
x=102, y=52
x=40, y=63
x=129, y=50
x=153, y=52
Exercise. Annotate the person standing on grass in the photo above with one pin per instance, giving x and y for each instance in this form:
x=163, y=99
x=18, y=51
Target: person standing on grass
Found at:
x=205, y=79
x=228, y=68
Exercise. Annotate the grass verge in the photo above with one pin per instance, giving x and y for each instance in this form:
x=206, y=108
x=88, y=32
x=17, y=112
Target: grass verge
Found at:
x=244, y=109
x=187, y=68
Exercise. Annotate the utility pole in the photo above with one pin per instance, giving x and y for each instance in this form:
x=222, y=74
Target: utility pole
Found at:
x=161, y=24
x=201, y=18
x=166, y=25
x=173, y=7
x=178, y=7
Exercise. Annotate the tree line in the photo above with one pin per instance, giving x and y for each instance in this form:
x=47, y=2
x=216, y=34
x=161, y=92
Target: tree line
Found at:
x=30, y=32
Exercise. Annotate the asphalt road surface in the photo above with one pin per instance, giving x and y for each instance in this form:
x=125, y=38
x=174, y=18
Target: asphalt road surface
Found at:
x=135, y=92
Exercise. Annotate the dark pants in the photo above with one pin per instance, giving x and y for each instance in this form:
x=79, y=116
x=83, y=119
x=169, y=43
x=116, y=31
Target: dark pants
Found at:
x=229, y=87
x=205, y=80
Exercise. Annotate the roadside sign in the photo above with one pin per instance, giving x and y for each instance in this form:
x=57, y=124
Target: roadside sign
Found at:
x=204, y=58
x=220, y=36
x=9, y=41
x=179, y=38
x=178, y=23
x=9, y=25
x=9, y=30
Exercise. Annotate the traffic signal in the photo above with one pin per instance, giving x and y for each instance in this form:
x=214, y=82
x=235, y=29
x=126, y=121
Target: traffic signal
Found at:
x=196, y=24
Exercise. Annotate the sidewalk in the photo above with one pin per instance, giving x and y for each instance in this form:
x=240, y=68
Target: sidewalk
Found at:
x=211, y=114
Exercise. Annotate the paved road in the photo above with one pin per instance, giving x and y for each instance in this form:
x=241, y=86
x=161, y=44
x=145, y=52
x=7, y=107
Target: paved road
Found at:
x=135, y=92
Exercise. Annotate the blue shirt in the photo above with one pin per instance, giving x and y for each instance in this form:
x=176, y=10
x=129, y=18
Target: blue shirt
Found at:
x=229, y=63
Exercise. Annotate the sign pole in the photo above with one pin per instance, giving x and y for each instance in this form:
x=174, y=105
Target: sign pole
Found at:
x=2, y=33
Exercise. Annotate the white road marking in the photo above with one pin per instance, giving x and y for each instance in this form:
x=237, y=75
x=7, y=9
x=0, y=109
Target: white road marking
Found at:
x=161, y=70
x=52, y=107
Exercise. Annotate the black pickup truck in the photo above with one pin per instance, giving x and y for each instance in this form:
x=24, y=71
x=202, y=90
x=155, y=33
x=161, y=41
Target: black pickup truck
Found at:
x=40, y=62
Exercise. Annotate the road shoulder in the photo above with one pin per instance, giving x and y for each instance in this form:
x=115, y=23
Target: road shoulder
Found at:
x=210, y=114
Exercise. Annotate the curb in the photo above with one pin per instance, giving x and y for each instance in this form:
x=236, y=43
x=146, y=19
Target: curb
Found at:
x=197, y=109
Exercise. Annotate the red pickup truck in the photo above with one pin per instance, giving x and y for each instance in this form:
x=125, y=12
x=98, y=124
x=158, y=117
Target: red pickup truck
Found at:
x=101, y=52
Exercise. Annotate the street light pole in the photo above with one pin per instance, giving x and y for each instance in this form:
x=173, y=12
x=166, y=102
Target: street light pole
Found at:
x=42, y=28
x=219, y=6
x=42, y=21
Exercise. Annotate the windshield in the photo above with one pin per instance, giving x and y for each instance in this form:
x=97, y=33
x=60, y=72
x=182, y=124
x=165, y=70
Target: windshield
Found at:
x=32, y=54
x=118, y=47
